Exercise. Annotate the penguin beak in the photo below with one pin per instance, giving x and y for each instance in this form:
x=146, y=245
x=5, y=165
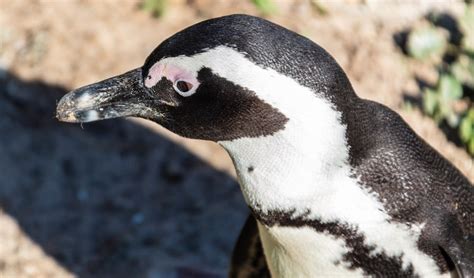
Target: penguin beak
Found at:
x=119, y=96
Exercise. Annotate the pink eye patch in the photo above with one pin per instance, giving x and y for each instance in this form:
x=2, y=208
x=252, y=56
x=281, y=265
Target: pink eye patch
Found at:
x=170, y=72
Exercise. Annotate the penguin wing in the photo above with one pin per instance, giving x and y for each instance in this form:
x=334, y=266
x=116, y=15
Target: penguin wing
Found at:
x=248, y=259
x=459, y=247
x=462, y=257
x=415, y=182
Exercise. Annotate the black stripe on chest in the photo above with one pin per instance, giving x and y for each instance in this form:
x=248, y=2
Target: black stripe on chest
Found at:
x=360, y=253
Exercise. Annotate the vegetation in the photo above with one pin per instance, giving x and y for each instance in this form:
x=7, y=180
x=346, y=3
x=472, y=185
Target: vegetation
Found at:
x=156, y=7
x=449, y=101
x=265, y=6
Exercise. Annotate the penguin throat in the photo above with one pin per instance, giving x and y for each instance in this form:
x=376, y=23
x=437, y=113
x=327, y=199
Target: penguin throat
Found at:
x=293, y=168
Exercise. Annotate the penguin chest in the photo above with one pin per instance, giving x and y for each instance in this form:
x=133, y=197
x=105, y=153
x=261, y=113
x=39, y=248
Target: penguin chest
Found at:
x=303, y=252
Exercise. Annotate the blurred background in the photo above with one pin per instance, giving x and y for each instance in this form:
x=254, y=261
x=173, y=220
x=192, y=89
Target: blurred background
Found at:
x=125, y=198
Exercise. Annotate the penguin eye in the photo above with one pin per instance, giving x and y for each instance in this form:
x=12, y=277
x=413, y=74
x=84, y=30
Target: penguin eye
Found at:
x=182, y=87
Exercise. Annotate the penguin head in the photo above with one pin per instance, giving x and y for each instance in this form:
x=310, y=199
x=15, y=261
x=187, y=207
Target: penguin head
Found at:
x=215, y=80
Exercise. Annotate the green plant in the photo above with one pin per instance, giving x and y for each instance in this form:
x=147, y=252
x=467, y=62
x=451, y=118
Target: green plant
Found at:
x=426, y=41
x=265, y=6
x=467, y=130
x=447, y=101
x=440, y=102
x=156, y=7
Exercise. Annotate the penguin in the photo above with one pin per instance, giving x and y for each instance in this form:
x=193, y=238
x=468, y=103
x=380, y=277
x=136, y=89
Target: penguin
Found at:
x=337, y=185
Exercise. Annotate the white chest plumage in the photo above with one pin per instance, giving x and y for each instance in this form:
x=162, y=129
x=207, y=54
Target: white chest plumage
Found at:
x=301, y=252
x=285, y=180
x=303, y=169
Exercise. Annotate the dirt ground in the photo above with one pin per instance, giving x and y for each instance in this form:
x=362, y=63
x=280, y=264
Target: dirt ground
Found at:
x=126, y=198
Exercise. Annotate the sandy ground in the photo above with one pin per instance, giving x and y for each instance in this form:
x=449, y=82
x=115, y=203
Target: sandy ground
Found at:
x=125, y=197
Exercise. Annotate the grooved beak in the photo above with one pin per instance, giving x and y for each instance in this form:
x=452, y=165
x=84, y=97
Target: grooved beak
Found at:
x=119, y=96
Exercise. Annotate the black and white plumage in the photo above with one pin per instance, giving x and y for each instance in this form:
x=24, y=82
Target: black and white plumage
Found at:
x=338, y=185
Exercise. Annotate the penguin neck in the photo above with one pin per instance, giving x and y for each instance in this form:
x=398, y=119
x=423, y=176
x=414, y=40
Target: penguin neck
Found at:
x=294, y=164
x=290, y=169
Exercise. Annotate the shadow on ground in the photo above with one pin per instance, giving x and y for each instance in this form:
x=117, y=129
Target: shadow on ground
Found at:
x=113, y=199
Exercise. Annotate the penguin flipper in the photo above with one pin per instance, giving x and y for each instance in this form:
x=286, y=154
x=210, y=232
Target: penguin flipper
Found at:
x=248, y=259
x=458, y=245
x=461, y=253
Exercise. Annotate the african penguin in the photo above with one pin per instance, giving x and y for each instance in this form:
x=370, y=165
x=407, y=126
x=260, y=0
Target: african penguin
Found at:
x=337, y=185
